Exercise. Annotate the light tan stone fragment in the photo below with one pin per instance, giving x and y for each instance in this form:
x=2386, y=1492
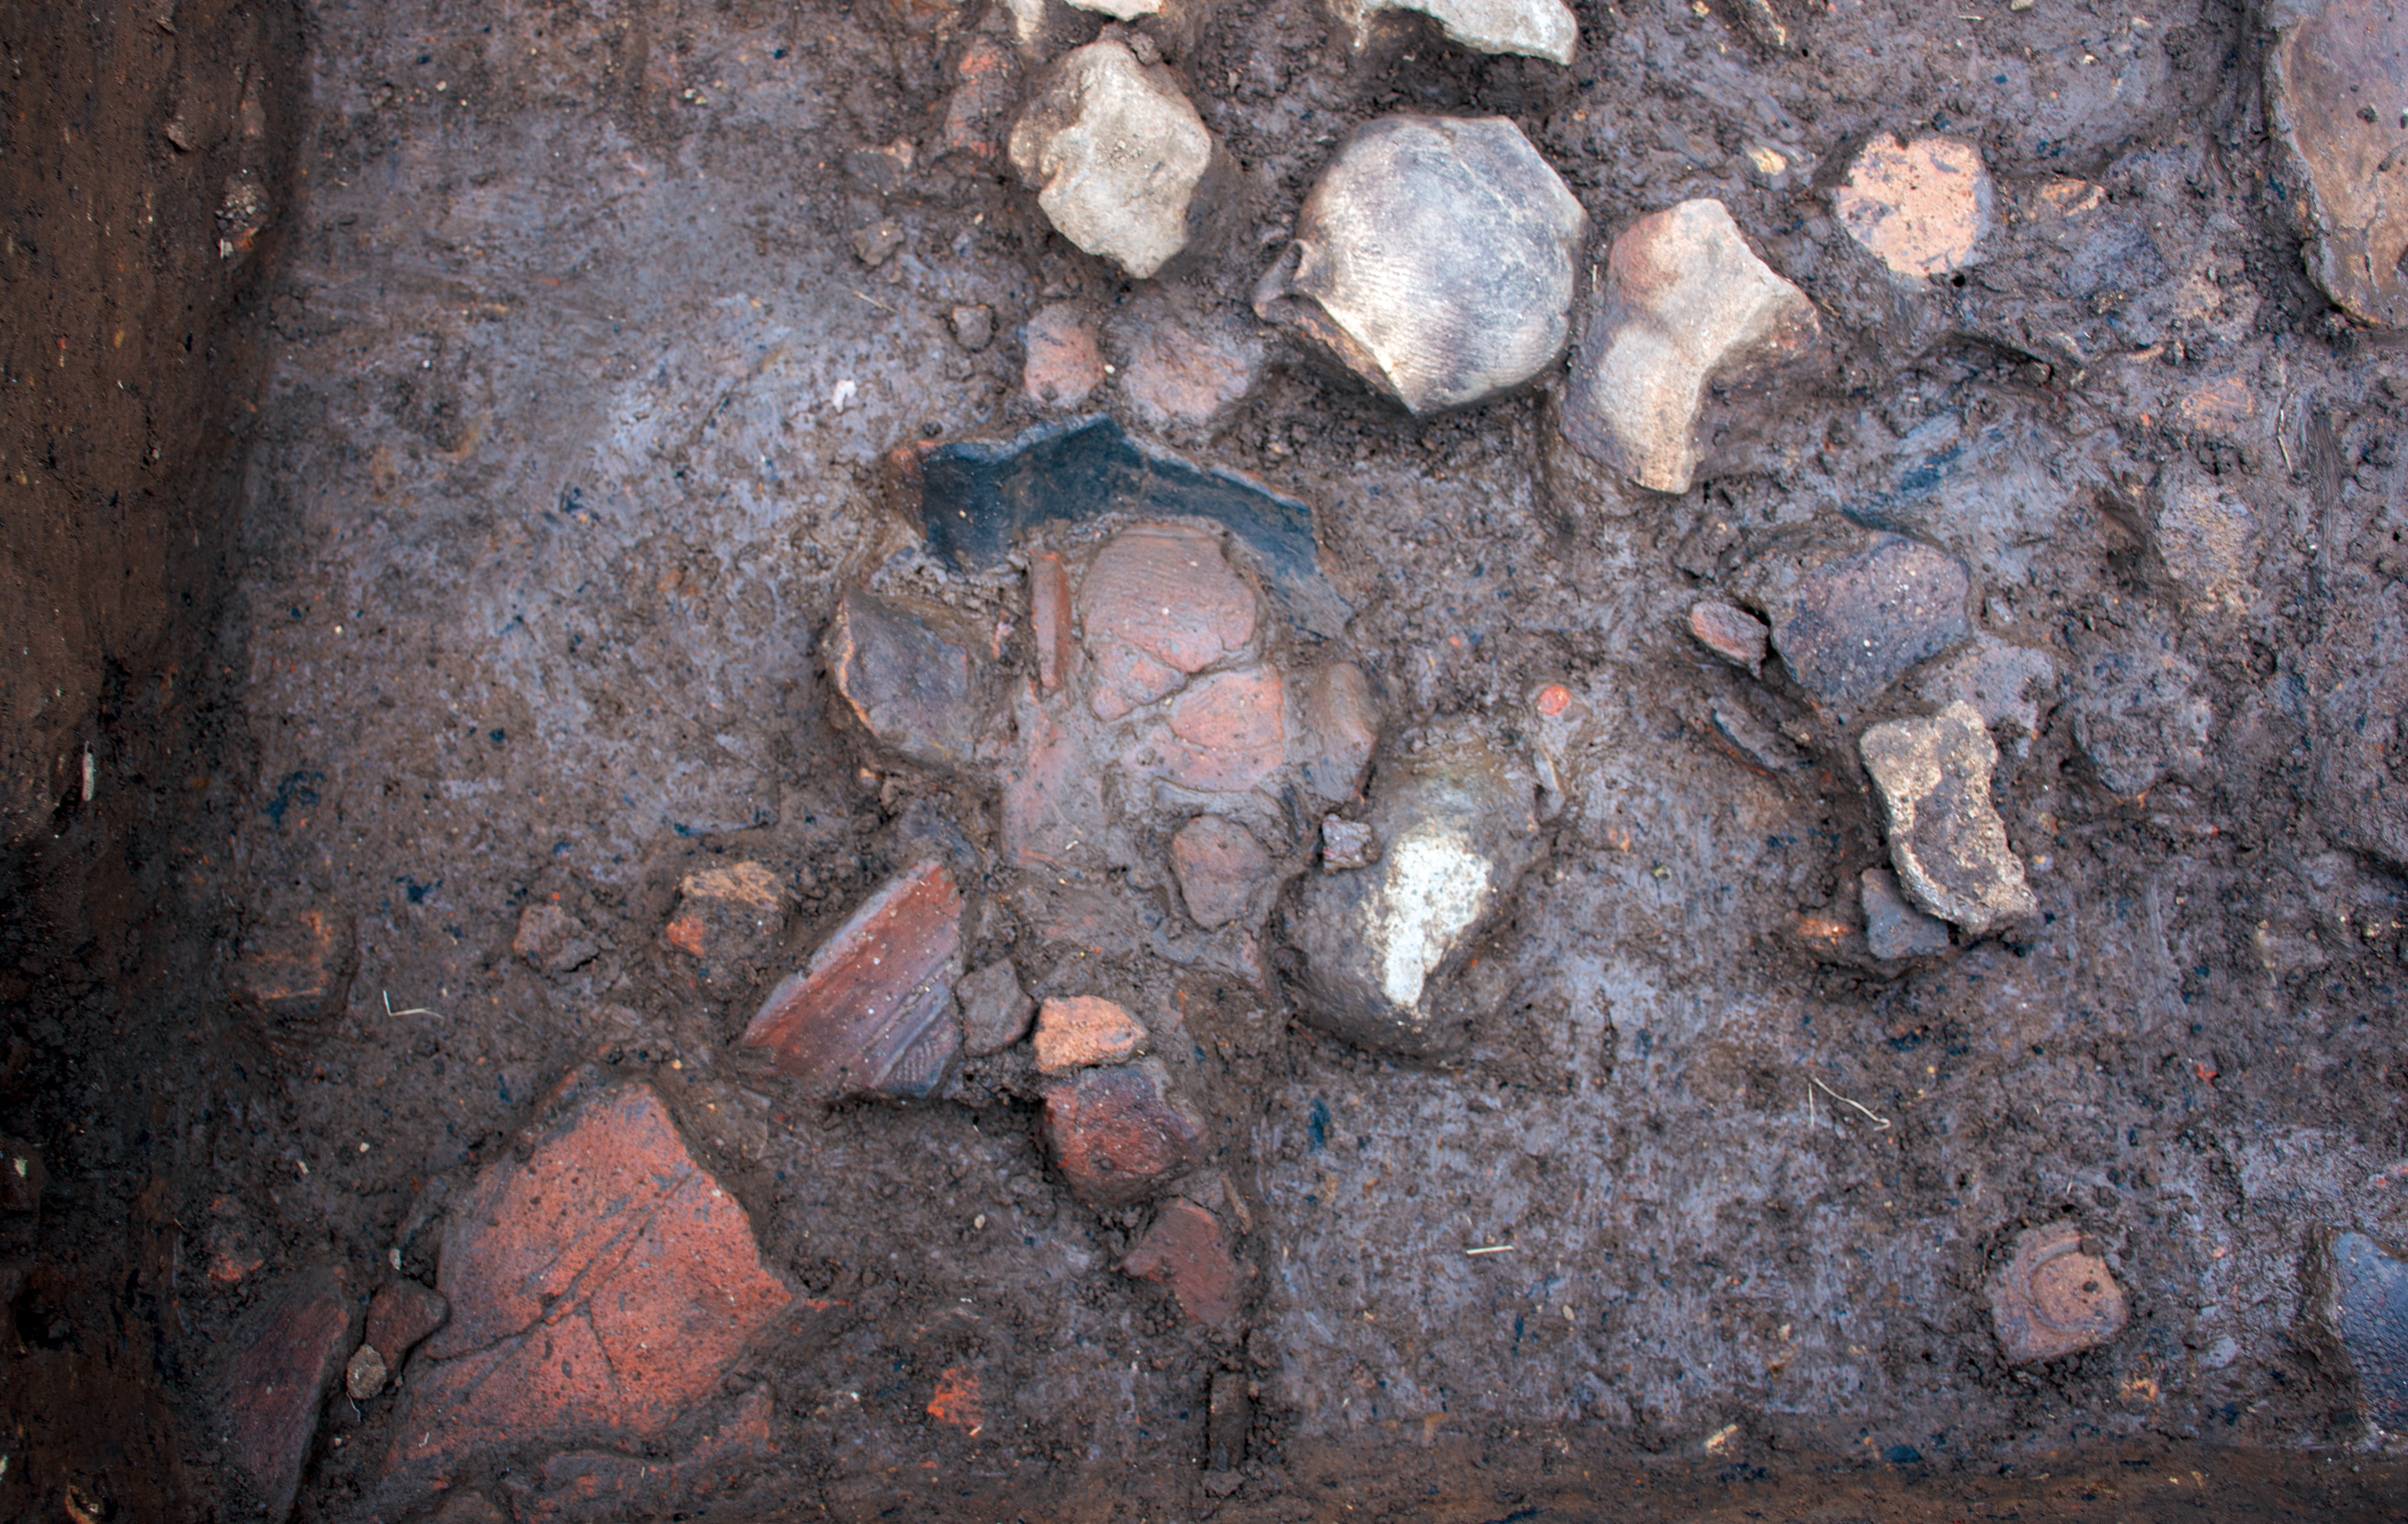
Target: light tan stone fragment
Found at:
x=1080, y=1032
x=1531, y=28
x=1685, y=303
x=1116, y=153
x=1945, y=837
x=2334, y=87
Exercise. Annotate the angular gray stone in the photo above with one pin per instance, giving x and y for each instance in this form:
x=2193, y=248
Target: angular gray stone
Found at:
x=1893, y=928
x=1532, y=28
x=994, y=1009
x=2007, y=685
x=2333, y=88
x=1847, y=626
x=909, y=686
x=1945, y=837
x=1436, y=260
x=1116, y=154
x=1685, y=303
x=2366, y=1307
x=1381, y=944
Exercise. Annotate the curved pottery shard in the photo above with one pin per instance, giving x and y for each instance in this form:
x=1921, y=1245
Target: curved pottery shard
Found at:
x=1116, y=153
x=2337, y=81
x=1435, y=259
x=1531, y=28
x=1685, y=303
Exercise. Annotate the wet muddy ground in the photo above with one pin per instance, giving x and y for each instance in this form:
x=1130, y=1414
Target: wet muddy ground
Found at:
x=582, y=378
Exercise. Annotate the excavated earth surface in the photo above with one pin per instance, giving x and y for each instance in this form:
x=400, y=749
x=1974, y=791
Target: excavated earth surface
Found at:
x=606, y=352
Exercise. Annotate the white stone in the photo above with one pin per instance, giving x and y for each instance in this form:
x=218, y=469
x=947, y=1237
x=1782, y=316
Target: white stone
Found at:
x=1116, y=154
x=1438, y=888
x=1531, y=28
x=1436, y=260
x=1685, y=303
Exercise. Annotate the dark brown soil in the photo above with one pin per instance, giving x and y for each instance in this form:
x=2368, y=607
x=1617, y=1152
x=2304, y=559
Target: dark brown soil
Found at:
x=572, y=394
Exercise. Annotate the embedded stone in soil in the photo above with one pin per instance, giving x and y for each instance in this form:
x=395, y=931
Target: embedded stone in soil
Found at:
x=1078, y=1031
x=275, y=1386
x=2367, y=1309
x=1434, y=259
x=1686, y=304
x=1945, y=837
x=909, y=686
x=1120, y=1133
x=1116, y=154
x=1186, y=1250
x=1847, y=626
x=1219, y=866
x=2333, y=88
x=873, y=1009
x=600, y=1287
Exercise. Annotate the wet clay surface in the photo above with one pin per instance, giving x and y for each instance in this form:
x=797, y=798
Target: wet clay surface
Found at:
x=589, y=349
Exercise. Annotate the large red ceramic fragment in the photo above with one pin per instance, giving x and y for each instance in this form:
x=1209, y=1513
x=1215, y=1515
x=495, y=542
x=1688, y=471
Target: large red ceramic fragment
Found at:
x=873, y=1010
x=599, y=1289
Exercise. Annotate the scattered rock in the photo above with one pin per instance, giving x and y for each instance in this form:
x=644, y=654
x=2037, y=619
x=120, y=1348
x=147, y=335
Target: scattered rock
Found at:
x=297, y=968
x=1116, y=154
x=2202, y=536
x=600, y=1287
x=873, y=1010
x=730, y=918
x=292, y=1353
x=2332, y=87
x=1080, y=1032
x=1751, y=741
x=551, y=940
x=401, y=1315
x=2006, y=685
x=1159, y=603
x=1921, y=208
x=1120, y=1133
x=1893, y=928
x=1531, y=28
x=21, y=1176
x=364, y=1375
x=1435, y=259
x=2136, y=715
x=955, y=1401
x=909, y=686
x=1184, y=1249
x=2051, y=1299
x=1049, y=617
x=1225, y=734
x=1340, y=731
x=1849, y=625
x=1064, y=363
x=876, y=244
x=1227, y=1418
x=1219, y=866
x=1945, y=837
x=1347, y=845
x=1380, y=944
x=881, y=170
x=1685, y=305
x=994, y=1009
x=1732, y=633
x=973, y=326
x=2366, y=1306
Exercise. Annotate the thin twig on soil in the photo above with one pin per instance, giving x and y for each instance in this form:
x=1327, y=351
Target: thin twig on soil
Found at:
x=414, y=1010
x=1491, y=1248
x=1881, y=1124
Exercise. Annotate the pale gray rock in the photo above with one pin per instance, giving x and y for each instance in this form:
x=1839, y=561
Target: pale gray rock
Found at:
x=1116, y=154
x=1436, y=260
x=1531, y=28
x=1381, y=944
x=1893, y=928
x=2333, y=88
x=2201, y=533
x=1945, y=838
x=1685, y=303
x=2005, y=684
